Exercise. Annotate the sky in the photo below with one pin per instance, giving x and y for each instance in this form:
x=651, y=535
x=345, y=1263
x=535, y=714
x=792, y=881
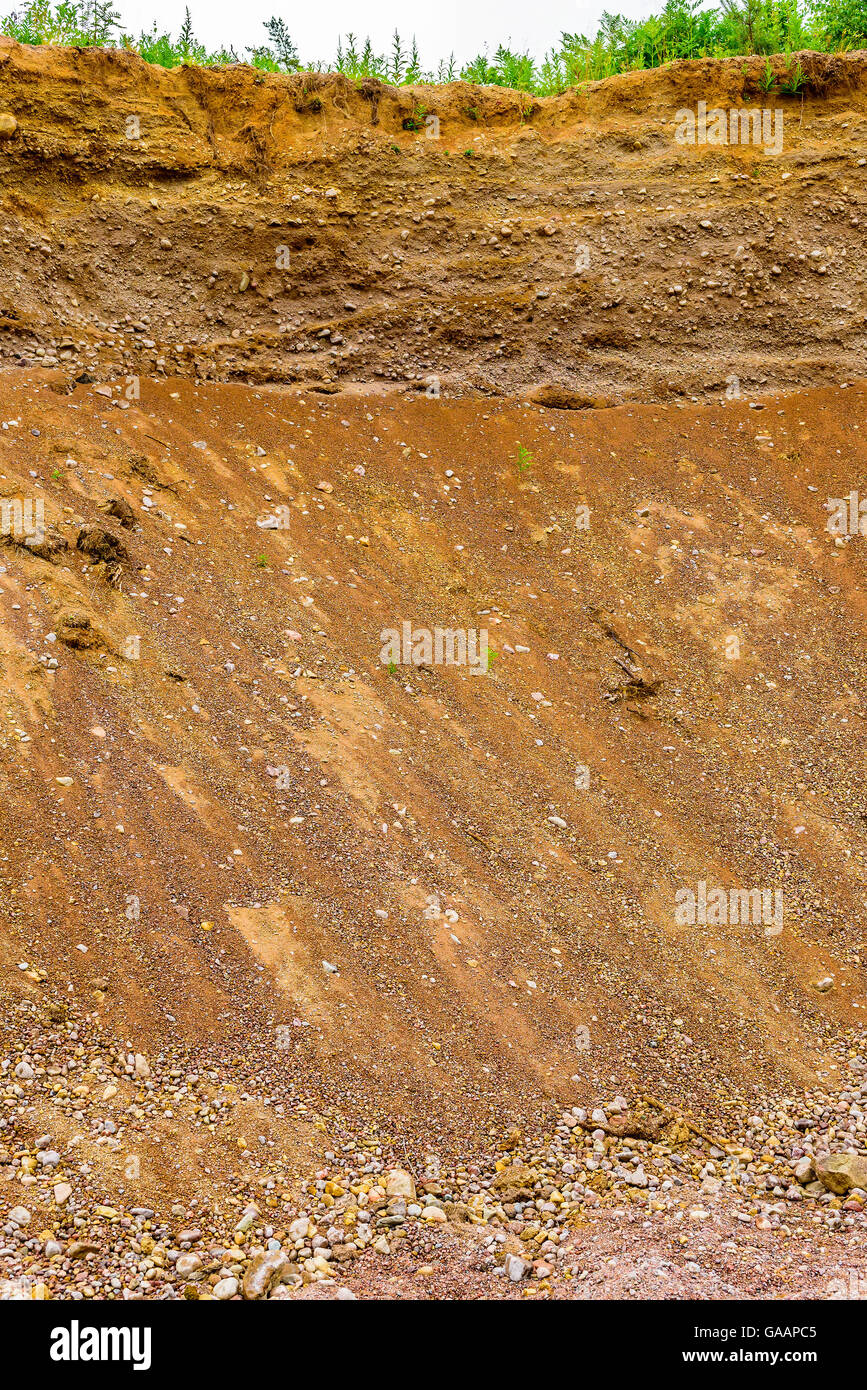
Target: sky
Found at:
x=440, y=26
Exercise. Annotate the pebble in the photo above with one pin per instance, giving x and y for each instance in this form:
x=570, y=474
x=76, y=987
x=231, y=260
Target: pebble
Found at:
x=189, y=1267
x=516, y=1268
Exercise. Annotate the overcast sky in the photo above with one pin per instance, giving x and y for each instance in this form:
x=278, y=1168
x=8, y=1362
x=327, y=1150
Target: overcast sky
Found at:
x=440, y=26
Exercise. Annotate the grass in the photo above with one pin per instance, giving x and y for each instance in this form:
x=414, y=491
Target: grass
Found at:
x=680, y=30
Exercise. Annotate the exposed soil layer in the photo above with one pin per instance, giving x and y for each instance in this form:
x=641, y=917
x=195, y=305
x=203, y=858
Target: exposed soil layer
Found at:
x=286, y=899
x=228, y=225
x=235, y=837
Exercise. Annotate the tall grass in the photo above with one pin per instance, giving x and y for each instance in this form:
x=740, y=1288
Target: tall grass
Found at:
x=681, y=30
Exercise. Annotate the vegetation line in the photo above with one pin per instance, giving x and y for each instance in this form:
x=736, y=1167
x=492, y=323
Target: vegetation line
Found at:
x=680, y=30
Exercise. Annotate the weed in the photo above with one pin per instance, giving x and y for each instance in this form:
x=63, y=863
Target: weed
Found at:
x=525, y=459
x=768, y=79
x=415, y=121
x=792, y=85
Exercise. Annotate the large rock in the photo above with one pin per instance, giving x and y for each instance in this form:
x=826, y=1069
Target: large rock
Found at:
x=267, y=1270
x=400, y=1183
x=189, y=1267
x=8, y=125
x=840, y=1172
x=513, y=1182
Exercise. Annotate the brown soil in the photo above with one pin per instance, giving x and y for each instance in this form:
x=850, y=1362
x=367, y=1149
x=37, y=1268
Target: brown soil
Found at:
x=213, y=784
x=138, y=201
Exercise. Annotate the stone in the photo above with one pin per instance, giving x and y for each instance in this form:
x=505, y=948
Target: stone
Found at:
x=189, y=1267
x=226, y=1288
x=839, y=1172
x=638, y=1178
x=79, y=1248
x=19, y=1216
x=512, y=1181
x=805, y=1170
x=248, y=1216
x=516, y=1268
x=62, y=1193
x=400, y=1183
x=264, y=1271
x=14, y=1290
x=8, y=125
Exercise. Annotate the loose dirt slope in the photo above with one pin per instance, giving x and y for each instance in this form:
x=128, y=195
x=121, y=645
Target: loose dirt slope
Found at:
x=272, y=907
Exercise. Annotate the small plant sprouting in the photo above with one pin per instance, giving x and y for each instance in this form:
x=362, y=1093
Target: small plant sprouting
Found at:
x=793, y=84
x=525, y=459
x=415, y=121
x=262, y=562
x=392, y=668
x=768, y=79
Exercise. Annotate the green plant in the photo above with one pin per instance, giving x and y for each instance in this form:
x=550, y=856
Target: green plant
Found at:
x=284, y=50
x=525, y=459
x=262, y=562
x=768, y=79
x=681, y=29
x=792, y=85
x=415, y=121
